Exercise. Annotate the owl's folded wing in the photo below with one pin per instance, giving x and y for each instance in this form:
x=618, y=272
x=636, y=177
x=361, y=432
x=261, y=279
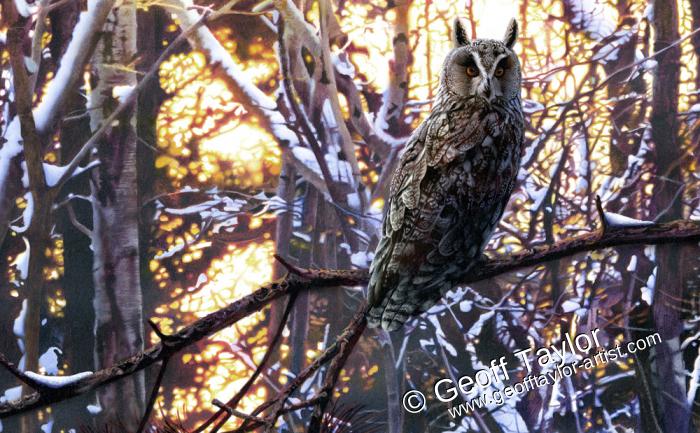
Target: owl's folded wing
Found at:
x=416, y=202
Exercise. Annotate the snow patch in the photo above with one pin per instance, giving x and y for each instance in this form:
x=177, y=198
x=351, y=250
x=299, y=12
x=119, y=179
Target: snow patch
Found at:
x=121, y=93
x=46, y=428
x=24, y=8
x=617, y=220
x=361, y=259
x=49, y=360
x=57, y=381
x=12, y=394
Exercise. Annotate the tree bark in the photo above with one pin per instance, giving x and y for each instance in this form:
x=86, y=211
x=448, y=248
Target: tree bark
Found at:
x=668, y=372
x=118, y=298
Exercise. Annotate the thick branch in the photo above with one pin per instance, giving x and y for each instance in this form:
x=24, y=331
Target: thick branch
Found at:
x=197, y=331
x=676, y=232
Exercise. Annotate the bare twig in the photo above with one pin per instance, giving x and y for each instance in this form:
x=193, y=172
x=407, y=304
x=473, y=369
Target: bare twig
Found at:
x=233, y=402
x=233, y=412
x=601, y=214
x=154, y=395
x=290, y=267
x=74, y=220
x=351, y=333
x=347, y=342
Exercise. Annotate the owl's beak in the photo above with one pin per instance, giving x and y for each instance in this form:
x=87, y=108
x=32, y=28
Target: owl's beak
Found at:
x=487, y=91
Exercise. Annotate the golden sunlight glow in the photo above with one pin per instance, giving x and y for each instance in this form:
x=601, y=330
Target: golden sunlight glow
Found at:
x=223, y=363
x=203, y=111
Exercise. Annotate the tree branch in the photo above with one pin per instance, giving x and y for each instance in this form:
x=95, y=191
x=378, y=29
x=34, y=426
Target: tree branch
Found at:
x=675, y=231
x=315, y=146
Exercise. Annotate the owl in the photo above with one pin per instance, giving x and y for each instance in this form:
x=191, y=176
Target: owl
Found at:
x=453, y=180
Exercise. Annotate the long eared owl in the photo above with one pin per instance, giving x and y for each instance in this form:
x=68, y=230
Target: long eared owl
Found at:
x=453, y=180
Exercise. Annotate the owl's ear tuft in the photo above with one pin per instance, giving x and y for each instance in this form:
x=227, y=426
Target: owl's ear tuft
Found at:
x=459, y=35
x=511, y=33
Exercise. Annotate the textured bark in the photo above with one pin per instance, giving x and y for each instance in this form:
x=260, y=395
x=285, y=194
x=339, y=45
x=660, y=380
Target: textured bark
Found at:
x=10, y=180
x=397, y=93
x=39, y=220
x=118, y=299
x=300, y=315
x=77, y=281
x=151, y=27
x=695, y=12
x=283, y=233
x=668, y=372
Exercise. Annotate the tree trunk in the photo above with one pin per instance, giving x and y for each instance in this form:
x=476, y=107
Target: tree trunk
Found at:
x=118, y=297
x=668, y=373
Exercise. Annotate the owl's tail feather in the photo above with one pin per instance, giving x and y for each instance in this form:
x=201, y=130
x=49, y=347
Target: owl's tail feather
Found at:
x=405, y=300
x=396, y=294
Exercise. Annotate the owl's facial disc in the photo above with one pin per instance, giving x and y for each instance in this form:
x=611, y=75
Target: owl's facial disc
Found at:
x=484, y=76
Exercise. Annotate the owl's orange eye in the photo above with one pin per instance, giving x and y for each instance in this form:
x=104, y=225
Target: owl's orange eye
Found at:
x=499, y=72
x=471, y=71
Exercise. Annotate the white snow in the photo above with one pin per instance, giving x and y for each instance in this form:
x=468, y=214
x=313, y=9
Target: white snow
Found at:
x=53, y=173
x=201, y=279
x=49, y=360
x=46, y=428
x=10, y=149
x=617, y=220
x=30, y=65
x=342, y=64
x=12, y=394
x=569, y=306
x=594, y=17
x=530, y=106
x=24, y=8
x=303, y=236
x=21, y=262
x=170, y=252
x=361, y=259
x=648, y=289
x=27, y=214
x=56, y=89
x=353, y=200
x=58, y=381
x=94, y=409
x=120, y=93
x=583, y=168
x=610, y=50
x=537, y=198
x=340, y=170
x=694, y=380
x=18, y=327
x=194, y=209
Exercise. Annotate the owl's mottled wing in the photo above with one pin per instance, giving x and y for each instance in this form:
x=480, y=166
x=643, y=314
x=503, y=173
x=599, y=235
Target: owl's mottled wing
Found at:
x=407, y=271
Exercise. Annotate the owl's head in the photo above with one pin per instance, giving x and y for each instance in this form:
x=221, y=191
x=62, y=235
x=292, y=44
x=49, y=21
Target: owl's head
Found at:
x=486, y=68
